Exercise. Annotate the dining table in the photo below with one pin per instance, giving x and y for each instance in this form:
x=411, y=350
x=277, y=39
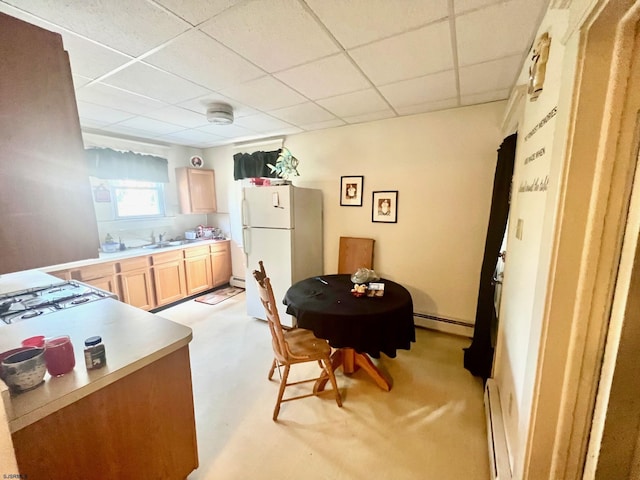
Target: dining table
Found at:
x=357, y=327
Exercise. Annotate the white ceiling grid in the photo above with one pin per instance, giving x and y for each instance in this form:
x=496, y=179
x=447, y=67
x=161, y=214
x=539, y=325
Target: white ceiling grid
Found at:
x=146, y=69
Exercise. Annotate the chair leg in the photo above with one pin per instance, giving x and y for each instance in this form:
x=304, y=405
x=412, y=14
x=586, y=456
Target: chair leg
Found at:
x=332, y=377
x=283, y=385
x=273, y=368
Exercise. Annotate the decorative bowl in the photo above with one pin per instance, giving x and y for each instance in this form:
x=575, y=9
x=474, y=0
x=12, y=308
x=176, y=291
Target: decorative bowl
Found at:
x=25, y=369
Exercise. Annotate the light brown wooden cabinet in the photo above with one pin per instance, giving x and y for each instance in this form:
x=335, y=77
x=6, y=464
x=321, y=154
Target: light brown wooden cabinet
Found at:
x=221, y=263
x=99, y=275
x=198, y=272
x=196, y=190
x=168, y=275
x=47, y=209
x=136, y=285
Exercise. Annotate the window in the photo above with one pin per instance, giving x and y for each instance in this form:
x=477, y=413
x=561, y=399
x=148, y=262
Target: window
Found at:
x=134, y=199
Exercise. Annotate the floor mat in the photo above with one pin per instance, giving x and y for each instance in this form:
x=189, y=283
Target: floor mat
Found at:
x=218, y=296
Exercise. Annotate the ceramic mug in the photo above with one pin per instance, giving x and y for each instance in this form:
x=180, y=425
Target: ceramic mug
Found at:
x=59, y=356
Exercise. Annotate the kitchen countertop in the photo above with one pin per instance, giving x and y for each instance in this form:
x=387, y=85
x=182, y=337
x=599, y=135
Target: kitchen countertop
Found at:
x=128, y=253
x=132, y=337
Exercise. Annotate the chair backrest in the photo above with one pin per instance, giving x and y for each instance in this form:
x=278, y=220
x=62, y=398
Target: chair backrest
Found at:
x=268, y=300
x=355, y=253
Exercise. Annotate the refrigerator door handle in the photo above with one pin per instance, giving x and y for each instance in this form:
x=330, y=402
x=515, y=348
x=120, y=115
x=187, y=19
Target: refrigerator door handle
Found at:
x=244, y=212
x=245, y=242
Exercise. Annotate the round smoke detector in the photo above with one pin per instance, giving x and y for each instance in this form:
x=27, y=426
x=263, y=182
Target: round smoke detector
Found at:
x=220, y=113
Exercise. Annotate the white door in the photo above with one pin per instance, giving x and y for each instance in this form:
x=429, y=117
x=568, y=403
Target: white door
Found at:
x=268, y=207
x=274, y=248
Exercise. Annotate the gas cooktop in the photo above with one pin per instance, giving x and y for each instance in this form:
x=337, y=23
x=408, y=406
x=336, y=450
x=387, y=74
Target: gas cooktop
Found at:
x=33, y=302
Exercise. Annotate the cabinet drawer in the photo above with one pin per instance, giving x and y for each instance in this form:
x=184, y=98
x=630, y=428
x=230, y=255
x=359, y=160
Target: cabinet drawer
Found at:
x=99, y=270
x=196, y=251
x=134, y=264
x=219, y=247
x=165, y=257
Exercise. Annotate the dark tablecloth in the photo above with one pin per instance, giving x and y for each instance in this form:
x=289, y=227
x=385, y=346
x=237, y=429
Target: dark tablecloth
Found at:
x=367, y=324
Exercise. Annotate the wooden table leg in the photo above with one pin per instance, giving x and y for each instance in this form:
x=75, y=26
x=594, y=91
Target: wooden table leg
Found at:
x=350, y=360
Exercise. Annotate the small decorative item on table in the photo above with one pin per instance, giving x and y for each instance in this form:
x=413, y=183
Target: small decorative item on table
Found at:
x=375, y=290
x=94, y=353
x=359, y=290
x=59, y=356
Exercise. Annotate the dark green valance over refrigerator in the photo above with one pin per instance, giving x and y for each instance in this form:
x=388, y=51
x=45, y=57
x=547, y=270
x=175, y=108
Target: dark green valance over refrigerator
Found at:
x=254, y=165
x=109, y=164
x=478, y=357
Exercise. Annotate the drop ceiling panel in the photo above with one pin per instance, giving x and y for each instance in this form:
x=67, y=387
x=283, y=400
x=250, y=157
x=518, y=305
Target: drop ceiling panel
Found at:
x=265, y=94
x=413, y=54
x=130, y=27
x=108, y=96
x=201, y=59
x=357, y=22
x=199, y=105
x=488, y=76
x=179, y=116
x=226, y=131
x=354, y=104
x=197, y=11
x=262, y=123
x=461, y=6
x=154, y=83
x=428, y=107
x=431, y=88
x=323, y=78
x=336, y=122
x=105, y=115
x=485, y=97
x=303, y=113
x=150, y=125
x=273, y=34
x=371, y=117
x=187, y=137
x=496, y=31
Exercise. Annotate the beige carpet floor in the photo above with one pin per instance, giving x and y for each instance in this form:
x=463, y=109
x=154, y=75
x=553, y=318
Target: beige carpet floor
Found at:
x=429, y=426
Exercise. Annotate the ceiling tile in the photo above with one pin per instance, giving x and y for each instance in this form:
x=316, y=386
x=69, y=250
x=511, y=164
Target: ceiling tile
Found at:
x=226, y=131
x=102, y=94
x=179, y=116
x=461, y=6
x=323, y=78
x=154, y=83
x=276, y=34
x=429, y=107
x=150, y=125
x=370, y=117
x=357, y=22
x=489, y=76
x=336, y=122
x=265, y=93
x=485, y=97
x=496, y=31
x=202, y=60
x=130, y=27
x=356, y=103
x=192, y=135
x=197, y=11
x=262, y=123
x=79, y=81
x=303, y=113
x=430, y=88
x=413, y=54
x=106, y=115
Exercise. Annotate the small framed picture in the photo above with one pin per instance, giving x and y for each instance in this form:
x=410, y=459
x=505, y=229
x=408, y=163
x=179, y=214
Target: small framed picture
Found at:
x=196, y=161
x=351, y=191
x=384, y=207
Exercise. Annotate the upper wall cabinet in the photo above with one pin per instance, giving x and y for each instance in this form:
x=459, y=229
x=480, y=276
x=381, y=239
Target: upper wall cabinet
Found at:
x=47, y=211
x=196, y=190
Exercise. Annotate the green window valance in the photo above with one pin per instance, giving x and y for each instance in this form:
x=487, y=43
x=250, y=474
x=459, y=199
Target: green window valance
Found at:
x=109, y=164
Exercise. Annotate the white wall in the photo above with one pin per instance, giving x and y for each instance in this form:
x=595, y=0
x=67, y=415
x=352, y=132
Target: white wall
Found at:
x=441, y=163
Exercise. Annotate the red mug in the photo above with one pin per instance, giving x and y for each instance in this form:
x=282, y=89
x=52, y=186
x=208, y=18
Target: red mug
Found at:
x=37, y=341
x=58, y=355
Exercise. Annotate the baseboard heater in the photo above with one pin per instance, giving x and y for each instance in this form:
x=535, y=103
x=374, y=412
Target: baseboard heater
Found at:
x=237, y=282
x=444, y=320
x=498, y=450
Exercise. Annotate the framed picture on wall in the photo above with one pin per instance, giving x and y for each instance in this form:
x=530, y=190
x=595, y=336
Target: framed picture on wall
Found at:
x=384, y=207
x=351, y=191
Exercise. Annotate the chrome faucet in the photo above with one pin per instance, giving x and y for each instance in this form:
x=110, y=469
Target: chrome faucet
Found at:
x=161, y=236
x=153, y=238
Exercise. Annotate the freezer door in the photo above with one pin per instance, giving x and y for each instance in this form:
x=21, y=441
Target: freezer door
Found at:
x=267, y=207
x=274, y=248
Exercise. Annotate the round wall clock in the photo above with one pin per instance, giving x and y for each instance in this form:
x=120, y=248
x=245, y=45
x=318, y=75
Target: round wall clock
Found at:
x=196, y=161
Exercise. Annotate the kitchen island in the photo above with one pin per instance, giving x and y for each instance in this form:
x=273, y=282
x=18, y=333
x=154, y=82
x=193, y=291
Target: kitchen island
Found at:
x=133, y=418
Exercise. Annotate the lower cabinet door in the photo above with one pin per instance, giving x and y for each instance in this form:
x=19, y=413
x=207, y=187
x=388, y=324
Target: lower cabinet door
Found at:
x=198, y=273
x=137, y=289
x=169, y=282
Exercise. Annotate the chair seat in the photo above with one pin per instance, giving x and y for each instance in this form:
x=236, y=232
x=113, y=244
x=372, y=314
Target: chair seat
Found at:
x=303, y=343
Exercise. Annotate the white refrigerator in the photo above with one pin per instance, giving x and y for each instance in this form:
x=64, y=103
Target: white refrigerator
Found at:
x=282, y=226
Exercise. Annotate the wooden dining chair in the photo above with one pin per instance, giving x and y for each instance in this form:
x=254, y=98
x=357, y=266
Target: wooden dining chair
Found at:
x=355, y=253
x=291, y=347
